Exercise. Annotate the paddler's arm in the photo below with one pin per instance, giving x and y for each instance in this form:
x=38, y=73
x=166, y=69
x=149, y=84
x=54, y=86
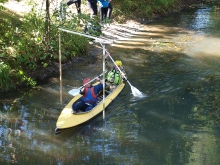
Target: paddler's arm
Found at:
x=100, y=80
x=81, y=91
x=99, y=87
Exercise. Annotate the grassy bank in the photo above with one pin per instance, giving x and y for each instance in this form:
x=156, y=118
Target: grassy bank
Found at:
x=147, y=9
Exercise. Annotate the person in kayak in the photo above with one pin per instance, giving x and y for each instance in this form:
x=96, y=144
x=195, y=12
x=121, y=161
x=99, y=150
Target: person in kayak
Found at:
x=114, y=76
x=89, y=98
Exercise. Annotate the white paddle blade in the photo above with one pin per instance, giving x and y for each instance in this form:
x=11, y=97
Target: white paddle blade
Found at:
x=136, y=92
x=74, y=92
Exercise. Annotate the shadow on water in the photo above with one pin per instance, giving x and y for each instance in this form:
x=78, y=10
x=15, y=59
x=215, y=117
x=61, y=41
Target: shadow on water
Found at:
x=83, y=130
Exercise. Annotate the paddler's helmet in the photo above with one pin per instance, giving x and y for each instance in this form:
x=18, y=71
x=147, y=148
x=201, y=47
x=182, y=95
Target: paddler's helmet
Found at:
x=86, y=80
x=118, y=63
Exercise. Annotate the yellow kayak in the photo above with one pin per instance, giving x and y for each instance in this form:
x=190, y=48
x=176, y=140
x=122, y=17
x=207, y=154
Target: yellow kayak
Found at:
x=69, y=120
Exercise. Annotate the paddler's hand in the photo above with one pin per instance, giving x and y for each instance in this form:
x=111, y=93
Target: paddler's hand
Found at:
x=123, y=75
x=100, y=80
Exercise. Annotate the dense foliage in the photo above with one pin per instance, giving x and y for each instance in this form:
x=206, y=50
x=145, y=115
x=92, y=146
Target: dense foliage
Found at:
x=26, y=47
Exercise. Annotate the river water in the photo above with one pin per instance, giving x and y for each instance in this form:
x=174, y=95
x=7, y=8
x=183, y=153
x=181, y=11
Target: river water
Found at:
x=174, y=61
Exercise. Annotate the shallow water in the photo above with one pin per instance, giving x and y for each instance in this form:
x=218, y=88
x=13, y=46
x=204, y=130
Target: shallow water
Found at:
x=174, y=61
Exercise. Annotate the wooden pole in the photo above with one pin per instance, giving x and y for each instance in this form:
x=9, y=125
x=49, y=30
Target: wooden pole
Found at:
x=60, y=69
x=103, y=61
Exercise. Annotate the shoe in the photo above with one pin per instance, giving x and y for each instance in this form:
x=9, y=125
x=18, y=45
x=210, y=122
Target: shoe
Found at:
x=74, y=112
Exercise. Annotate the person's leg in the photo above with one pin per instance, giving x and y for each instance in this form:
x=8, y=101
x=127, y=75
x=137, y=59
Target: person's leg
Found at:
x=77, y=106
x=88, y=108
x=105, y=12
x=92, y=7
x=78, y=6
x=109, y=11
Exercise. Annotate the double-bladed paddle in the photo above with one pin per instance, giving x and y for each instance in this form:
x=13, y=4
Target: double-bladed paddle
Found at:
x=75, y=92
x=134, y=90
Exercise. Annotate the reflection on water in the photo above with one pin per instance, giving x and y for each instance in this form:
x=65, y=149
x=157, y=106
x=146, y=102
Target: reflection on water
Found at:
x=173, y=61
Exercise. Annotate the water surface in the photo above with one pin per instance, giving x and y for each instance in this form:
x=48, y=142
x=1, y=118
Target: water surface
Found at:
x=174, y=61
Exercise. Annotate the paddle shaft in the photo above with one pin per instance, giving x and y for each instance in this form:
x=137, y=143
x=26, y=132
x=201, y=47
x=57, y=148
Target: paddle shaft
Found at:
x=134, y=90
x=93, y=79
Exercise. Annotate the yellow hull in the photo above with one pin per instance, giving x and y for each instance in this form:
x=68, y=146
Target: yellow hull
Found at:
x=68, y=120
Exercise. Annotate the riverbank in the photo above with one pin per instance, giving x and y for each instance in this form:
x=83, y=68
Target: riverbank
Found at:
x=114, y=31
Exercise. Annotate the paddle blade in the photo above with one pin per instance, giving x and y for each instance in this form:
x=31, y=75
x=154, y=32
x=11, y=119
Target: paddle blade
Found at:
x=74, y=92
x=136, y=92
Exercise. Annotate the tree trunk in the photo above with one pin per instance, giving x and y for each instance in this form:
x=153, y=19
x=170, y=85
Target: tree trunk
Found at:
x=47, y=26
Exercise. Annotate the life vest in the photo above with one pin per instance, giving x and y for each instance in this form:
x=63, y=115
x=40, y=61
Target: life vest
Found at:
x=89, y=95
x=114, y=76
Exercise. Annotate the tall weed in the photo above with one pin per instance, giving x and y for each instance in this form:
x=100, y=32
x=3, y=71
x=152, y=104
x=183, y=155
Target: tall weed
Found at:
x=5, y=80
